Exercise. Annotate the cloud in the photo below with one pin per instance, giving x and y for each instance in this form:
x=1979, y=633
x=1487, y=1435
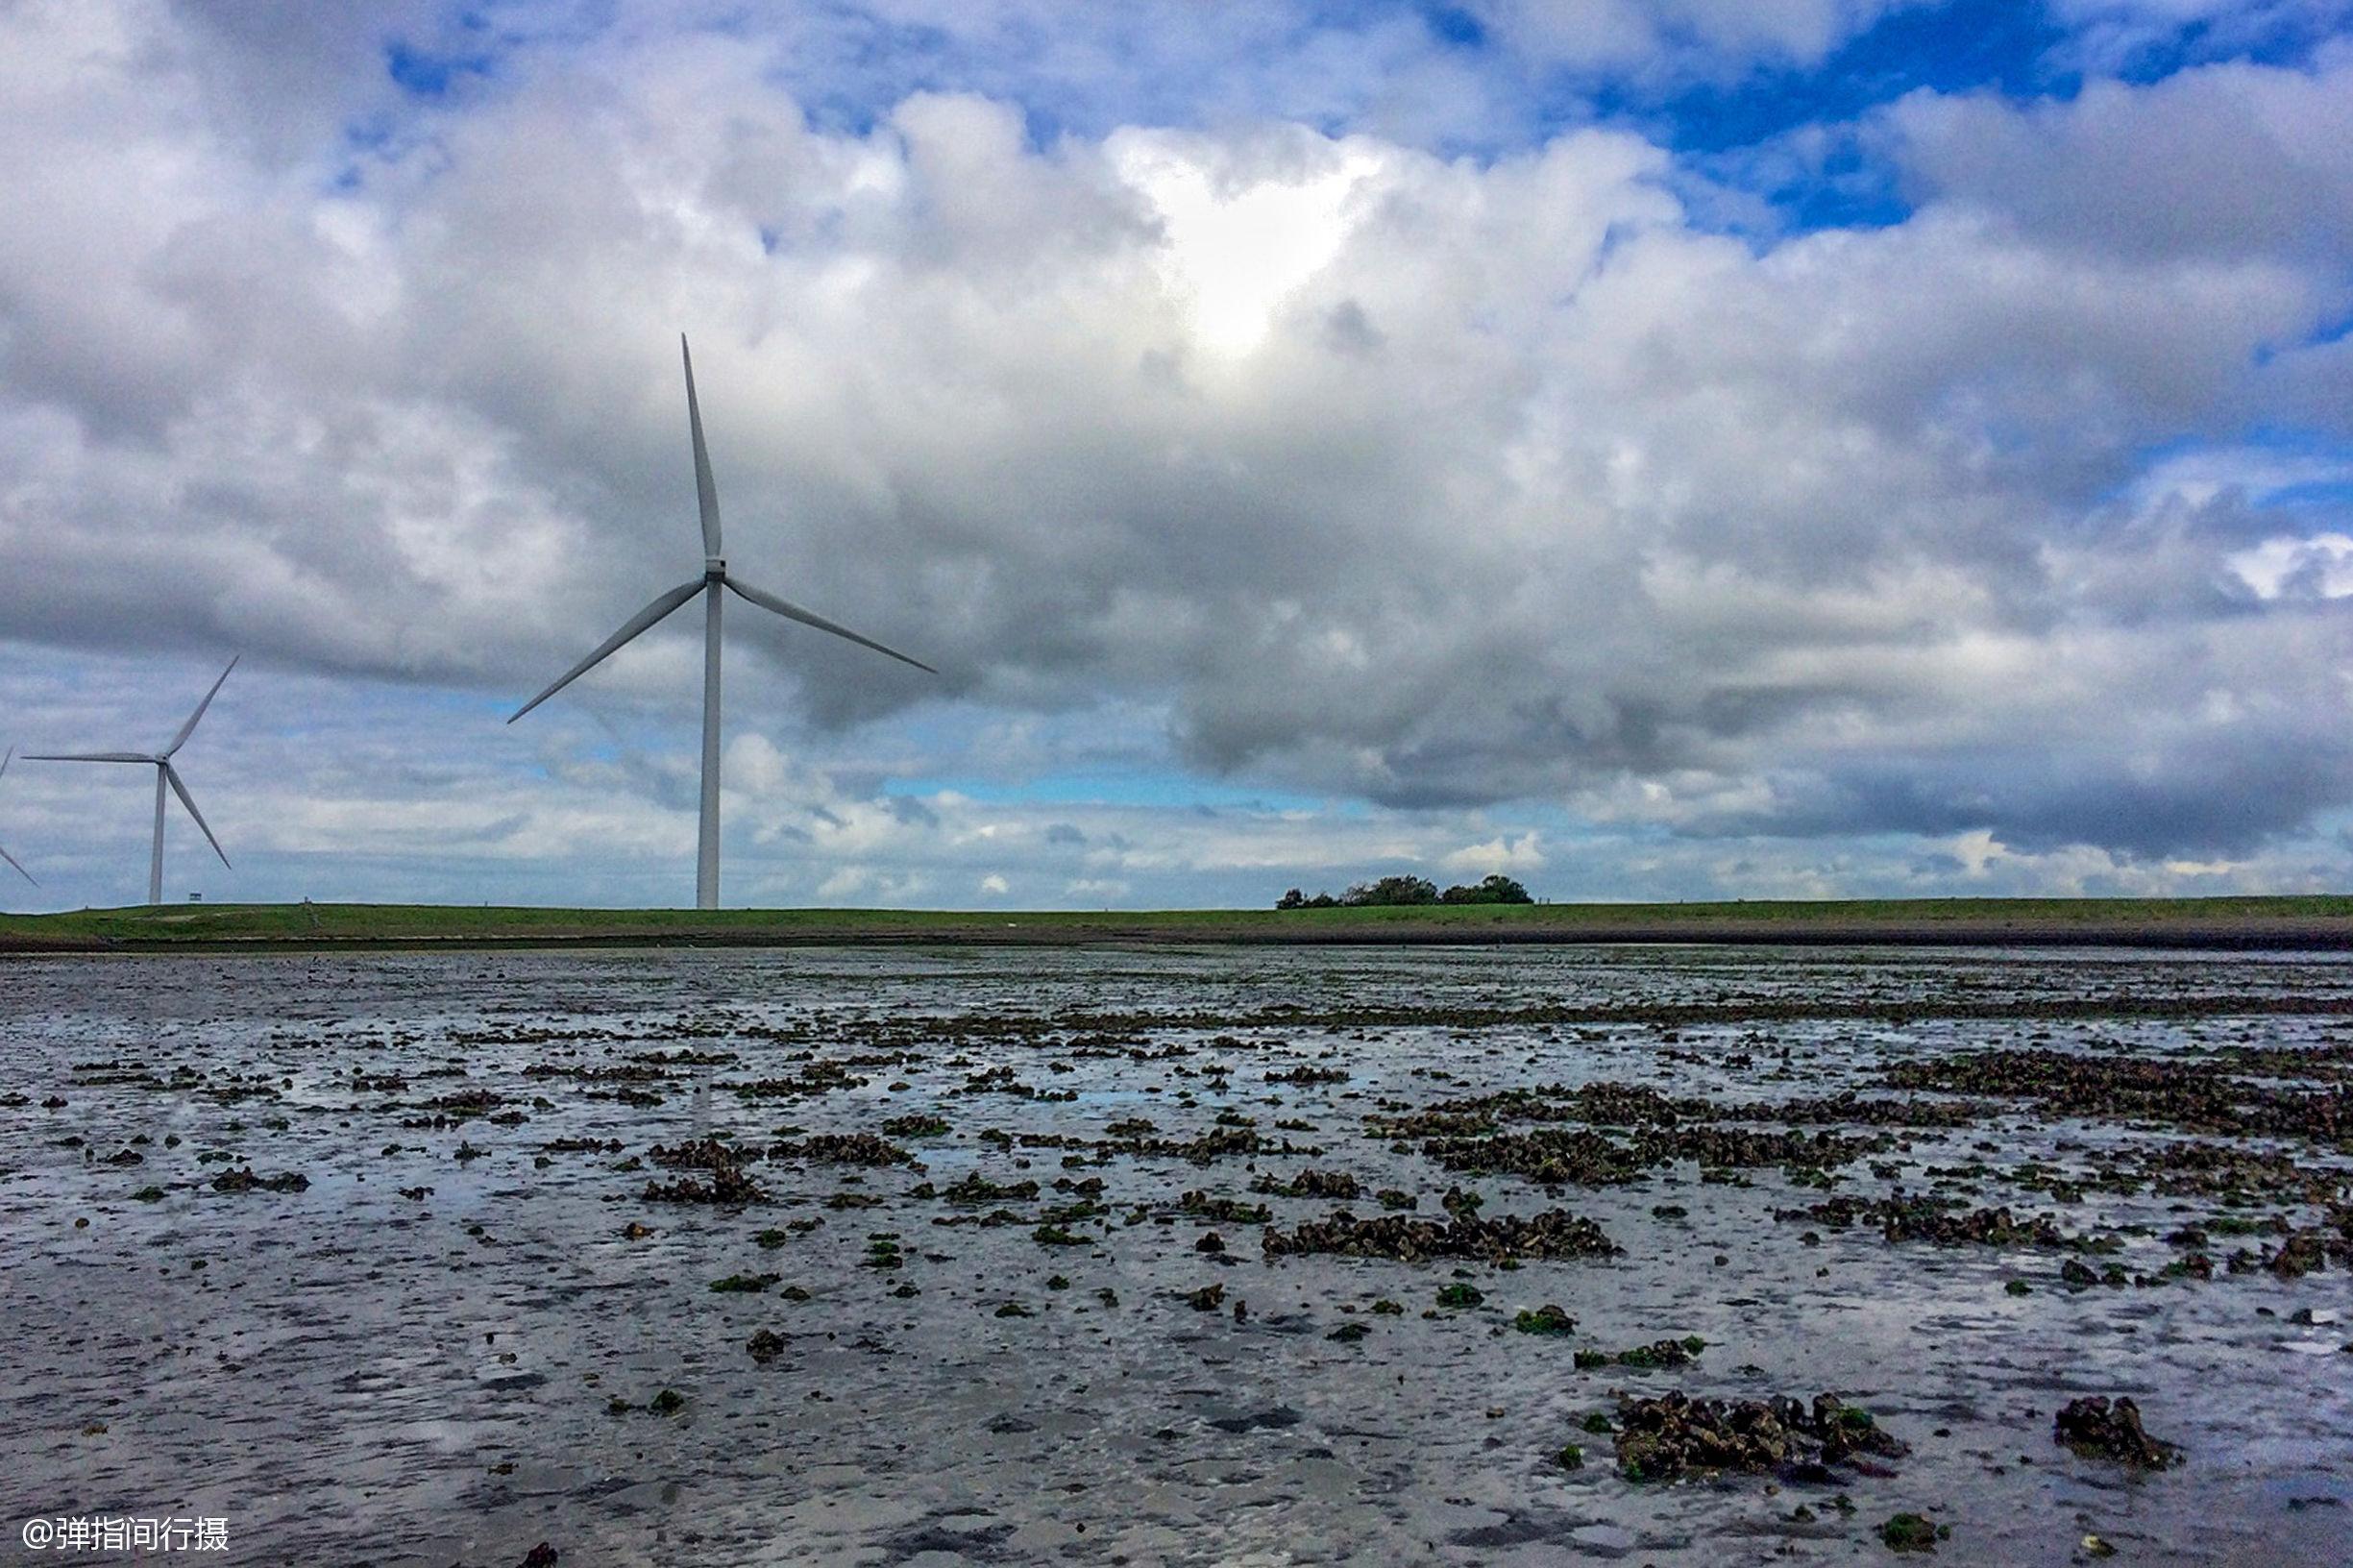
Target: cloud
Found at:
x=2320, y=566
x=2223, y=161
x=2116, y=36
x=400, y=793
x=1283, y=450
x=1706, y=36
x=1498, y=855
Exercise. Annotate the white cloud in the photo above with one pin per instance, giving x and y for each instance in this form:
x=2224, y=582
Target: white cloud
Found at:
x=2320, y=566
x=1710, y=35
x=1518, y=855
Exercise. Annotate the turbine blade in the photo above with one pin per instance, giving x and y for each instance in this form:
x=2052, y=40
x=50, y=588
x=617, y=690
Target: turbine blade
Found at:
x=636, y=623
x=706, y=493
x=89, y=756
x=185, y=730
x=4, y=854
x=793, y=612
x=171, y=776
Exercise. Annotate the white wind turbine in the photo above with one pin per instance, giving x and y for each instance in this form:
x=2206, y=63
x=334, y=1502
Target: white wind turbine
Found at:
x=715, y=576
x=165, y=775
x=4, y=854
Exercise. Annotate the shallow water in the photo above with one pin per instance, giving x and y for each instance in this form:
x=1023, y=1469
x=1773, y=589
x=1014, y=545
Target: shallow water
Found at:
x=355, y=1375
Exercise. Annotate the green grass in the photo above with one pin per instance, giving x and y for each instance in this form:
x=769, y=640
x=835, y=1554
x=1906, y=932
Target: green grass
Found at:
x=2321, y=919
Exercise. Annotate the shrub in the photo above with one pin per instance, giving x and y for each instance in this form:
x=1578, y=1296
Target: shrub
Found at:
x=1391, y=892
x=1493, y=890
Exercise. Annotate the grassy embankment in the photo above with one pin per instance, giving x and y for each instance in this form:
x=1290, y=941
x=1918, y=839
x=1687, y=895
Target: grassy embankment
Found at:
x=2320, y=923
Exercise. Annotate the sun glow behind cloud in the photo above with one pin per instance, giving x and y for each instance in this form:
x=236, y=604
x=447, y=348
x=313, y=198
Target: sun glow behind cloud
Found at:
x=1237, y=243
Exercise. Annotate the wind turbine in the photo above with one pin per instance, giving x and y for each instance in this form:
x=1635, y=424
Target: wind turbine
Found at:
x=165, y=775
x=4, y=854
x=715, y=576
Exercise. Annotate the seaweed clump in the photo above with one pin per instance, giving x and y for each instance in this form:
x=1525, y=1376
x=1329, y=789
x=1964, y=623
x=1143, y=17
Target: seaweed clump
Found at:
x=979, y=1189
x=1547, y=1319
x=1657, y=1355
x=245, y=1181
x=1913, y=1533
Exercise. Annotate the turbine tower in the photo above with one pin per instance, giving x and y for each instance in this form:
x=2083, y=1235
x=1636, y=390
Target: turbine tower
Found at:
x=715, y=576
x=165, y=775
x=4, y=854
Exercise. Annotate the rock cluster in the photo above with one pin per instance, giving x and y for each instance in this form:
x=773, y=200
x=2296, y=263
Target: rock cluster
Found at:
x=700, y=1154
x=729, y=1184
x=2198, y=1096
x=1554, y=1234
x=843, y=1149
x=1674, y=1435
x=1932, y=1219
x=2099, y=1429
x=1336, y=1184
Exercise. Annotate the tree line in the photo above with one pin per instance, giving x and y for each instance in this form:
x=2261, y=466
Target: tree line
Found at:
x=1411, y=890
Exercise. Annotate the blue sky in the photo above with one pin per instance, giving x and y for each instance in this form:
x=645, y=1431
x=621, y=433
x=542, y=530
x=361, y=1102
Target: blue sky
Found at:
x=1680, y=450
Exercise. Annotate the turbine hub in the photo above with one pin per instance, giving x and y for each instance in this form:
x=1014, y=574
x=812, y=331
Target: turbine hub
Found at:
x=714, y=568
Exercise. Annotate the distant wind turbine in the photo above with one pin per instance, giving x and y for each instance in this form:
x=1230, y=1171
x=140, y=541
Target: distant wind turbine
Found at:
x=715, y=576
x=4, y=854
x=165, y=775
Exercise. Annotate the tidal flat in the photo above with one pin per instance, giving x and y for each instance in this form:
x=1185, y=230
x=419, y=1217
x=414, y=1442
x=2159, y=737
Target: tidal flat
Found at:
x=1194, y=1255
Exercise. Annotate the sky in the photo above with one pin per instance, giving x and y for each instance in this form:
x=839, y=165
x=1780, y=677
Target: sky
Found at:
x=1652, y=449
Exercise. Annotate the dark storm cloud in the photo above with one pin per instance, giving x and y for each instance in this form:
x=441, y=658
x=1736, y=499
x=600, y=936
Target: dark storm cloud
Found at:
x=2226, y=804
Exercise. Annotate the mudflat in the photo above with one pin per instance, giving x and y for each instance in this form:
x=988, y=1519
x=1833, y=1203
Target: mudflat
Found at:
x=1186, y=1252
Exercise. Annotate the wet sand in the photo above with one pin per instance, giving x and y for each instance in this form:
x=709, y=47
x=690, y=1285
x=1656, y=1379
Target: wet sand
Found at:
x=394, y=1258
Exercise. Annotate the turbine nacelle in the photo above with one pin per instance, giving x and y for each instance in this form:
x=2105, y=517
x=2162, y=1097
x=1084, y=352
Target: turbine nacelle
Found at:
x=167, y=778
x=714, y=576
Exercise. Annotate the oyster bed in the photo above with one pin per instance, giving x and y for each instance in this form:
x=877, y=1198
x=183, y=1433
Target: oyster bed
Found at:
x=1195, y=1256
